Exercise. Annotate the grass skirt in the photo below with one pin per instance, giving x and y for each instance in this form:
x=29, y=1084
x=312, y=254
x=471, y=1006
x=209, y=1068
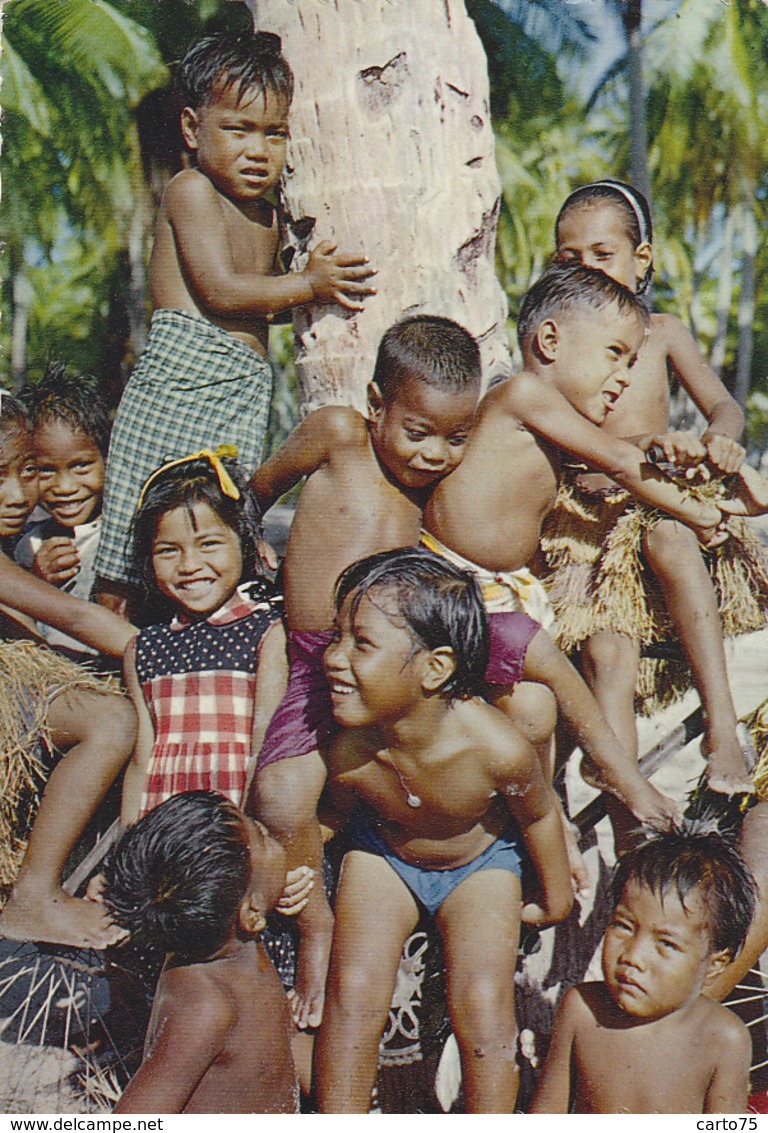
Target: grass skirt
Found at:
x=30, y=678
x=592, y=543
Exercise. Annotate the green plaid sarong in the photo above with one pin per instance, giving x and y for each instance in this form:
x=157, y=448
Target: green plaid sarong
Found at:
x=195, y=386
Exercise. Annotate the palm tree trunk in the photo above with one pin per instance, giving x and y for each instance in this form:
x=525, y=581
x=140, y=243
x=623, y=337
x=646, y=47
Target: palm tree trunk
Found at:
x=632, y=18
x=724, y=293
x=392, y=153
x=22, y=301
x=746, y=299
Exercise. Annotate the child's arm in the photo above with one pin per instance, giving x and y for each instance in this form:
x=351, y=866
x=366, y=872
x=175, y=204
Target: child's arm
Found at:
x=553, y=1092
x=136, y=770
x=309, y=446
x=725, y=419
x=548, y=414
x=93, y=625
x=729, y=1087
x=271, y=683
x=532, y=803
x=194, y=211
x=188, y=1033
x=613, y=767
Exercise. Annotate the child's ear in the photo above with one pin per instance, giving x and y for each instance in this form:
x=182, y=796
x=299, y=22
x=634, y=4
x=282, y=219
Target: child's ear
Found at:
x=717, y=961
x=190, y=125
x=375, y=401
x=643, y=259
x=440, y=665
x=252, y=919
x=546, y=340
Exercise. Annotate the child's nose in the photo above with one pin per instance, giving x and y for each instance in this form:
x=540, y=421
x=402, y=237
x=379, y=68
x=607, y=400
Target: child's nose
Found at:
x=14, y=491
x=256, y=144
x=190, y=559
x=633, y=953
x=63, y=484
x=435, y=450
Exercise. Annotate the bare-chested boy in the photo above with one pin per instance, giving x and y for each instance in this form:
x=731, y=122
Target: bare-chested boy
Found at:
x=197, y=879
x=455, y=799
x=580, y=333
x=646, y=1040
x=366, y=485
x=215, y=280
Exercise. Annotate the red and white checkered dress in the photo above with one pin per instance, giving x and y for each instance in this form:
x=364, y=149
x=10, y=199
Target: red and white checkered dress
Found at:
x=199, y=681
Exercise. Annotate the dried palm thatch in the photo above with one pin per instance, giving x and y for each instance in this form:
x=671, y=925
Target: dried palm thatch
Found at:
x=30, y=678
x=598, y=581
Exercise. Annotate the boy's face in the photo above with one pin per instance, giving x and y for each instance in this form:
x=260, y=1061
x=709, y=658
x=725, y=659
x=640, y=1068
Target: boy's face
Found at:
x=18, y=480
x=240, y=143
x=420, y=434
x=656, y=954
x=372, y=663
x=591, y=354
x=268, y=866
x=71, y=473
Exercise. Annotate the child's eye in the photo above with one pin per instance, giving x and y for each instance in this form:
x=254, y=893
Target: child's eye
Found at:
x=457, y=442
x=211, y=544
x=415, y=434
x=669, y=945
x=278, y=133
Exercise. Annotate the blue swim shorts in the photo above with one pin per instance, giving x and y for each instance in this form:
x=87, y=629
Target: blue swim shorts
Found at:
x=432, y=886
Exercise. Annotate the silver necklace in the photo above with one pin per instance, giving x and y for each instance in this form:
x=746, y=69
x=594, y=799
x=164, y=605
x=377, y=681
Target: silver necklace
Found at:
x=412, y=799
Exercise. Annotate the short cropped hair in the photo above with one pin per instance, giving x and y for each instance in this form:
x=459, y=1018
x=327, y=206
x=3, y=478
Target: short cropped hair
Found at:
x=177, y=877
x=429, y=349
x=251, y=61
x=632, y=206
x=690, y=856
x=184, y=484
x=439, y=604
x=73, y=398
x=13, y=414
x=571, y=286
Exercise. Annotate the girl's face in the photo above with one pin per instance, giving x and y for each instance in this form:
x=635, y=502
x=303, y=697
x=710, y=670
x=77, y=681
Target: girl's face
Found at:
x=71, y=473
x=18, y=480
x=595, y=234
x=197, y=559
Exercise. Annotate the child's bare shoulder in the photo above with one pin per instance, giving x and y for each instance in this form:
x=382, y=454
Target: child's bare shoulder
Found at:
x=667, y=331
x=730, y=1036
x=495, y=740
x=342, y=426
x=189, y=186
x=195, y=995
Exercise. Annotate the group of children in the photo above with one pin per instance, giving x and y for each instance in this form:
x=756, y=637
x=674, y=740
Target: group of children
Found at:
x=404, y=687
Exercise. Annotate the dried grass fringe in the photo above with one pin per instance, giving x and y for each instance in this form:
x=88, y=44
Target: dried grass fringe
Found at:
x=597, y=581
x=30, y=677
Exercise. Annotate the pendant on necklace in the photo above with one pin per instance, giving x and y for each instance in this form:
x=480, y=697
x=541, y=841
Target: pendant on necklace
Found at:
x=413, y=800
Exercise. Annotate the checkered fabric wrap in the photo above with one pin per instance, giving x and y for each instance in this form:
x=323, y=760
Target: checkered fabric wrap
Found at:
x=198, y=683
x=195, y=386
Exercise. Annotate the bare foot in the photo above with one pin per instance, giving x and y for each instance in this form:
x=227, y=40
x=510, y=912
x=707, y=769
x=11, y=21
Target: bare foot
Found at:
x=307, y=997
x=57, y=918
x=729, y=766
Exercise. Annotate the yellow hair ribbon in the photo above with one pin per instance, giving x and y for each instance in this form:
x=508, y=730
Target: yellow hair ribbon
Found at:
x=226, y=483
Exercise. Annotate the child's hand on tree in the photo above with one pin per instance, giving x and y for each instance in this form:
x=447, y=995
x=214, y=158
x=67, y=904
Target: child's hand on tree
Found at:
x=337, y=277
x=57, y=560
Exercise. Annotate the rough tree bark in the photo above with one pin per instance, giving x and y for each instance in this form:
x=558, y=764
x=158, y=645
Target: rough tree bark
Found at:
x=392, y=152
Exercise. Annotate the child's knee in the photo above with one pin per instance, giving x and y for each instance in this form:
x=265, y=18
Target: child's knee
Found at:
x=285, y=795
x=484, y=1016
x=533, y=708
x=611, y=656
x=669, y=540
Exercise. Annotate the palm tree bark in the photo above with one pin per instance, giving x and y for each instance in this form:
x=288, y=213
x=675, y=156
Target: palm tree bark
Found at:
x=392, y=153
x=632, y=18
x=746, y=299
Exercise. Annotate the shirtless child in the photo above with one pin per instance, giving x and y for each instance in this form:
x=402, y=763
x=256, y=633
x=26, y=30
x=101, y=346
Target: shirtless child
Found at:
x=216, y=283
x=580, y=333
x=366, y=485
x=646, y=1040
x=457, y=801
x=196, y=879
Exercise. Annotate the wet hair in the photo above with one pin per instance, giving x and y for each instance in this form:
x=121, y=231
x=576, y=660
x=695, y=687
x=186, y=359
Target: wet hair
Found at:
x=177, y=877
x=13, y=414
x=688, y=857
x=429, y=349
x=564, y=287
x=438, y=603
x=72, y=398
x=251, y=61
x=630, y=202
x=185, y=484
